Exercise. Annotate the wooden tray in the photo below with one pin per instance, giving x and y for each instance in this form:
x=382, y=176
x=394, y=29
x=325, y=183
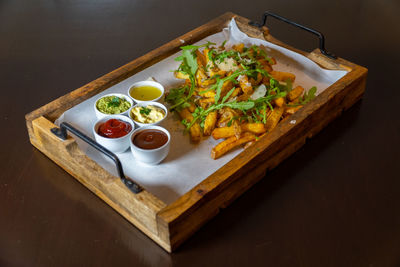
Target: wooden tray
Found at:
x=170, y=225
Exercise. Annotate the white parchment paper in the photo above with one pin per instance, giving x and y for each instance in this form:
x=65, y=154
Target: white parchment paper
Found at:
x=188, y=164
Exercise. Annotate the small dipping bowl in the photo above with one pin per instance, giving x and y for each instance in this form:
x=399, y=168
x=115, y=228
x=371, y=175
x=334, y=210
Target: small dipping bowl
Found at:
x=101, y=115
x=116, y=145
x=157, y=85
x=145, y=104
x=150, y=156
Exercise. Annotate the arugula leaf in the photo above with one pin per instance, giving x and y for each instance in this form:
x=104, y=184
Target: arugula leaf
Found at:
x=195, y=47
x=189, y=58
x=219, y=83
x=228, y=95
x=308, y=96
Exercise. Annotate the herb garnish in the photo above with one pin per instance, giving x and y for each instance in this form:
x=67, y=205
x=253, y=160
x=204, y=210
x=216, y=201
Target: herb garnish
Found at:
x=145, y=111
x=115, y=102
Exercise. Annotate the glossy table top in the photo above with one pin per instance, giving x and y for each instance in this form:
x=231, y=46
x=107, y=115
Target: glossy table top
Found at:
x=336, y=202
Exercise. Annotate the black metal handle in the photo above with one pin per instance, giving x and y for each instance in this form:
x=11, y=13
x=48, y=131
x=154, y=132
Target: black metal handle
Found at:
x=62, y=134
x=317, y=33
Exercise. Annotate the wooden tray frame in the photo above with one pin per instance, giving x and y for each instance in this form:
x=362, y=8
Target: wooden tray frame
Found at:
x=170, y=225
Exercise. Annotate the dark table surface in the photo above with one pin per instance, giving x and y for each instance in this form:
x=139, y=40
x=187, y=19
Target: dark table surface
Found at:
x=333, y=203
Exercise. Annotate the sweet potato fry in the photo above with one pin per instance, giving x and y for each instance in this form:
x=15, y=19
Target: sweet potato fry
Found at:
x=230, y=143
x=225, y=132
x=295, y=93
x=209, y=123
x=274, y=118
x=283, y=76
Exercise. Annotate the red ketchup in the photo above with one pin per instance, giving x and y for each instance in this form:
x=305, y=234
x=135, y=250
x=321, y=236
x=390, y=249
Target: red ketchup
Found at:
x=114, y=128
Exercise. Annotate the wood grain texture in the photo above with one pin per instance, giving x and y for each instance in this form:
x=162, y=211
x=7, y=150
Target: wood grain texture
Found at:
x=171, y=225
x=140, y=209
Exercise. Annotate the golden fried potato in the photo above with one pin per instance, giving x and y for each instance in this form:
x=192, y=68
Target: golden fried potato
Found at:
x=201, y=59
x=202, y=79
x=291, y=110
x=209, y=123
x=279, y=101
x=283, y=76
x=230, y=143
x=238, y=47
x=295, y=93
x=274, y=118
x=208, y=93
x=204, y=102
x=245, y=84
x=195, y=130
x=181, y=75
x=225, y=132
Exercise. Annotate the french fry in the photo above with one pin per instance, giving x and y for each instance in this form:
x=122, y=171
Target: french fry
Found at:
x=230, y=143
x=245, y=84
x=234, y=119
x=226, y=114
x=257, y=128
x=242, y=97
x=195, y=133
x=238, y=47
x=279, y=101
x=208, y=93
x=226, y=86
x=225, y=132
x=204, y=102
x=283, y=76
x=201, y=59
x=291, y=110
x=202, y=79
x=209, y=123
x=237, y=129
x=195, y=130
x=295, y=93
x=274, y=118
x=181, y=75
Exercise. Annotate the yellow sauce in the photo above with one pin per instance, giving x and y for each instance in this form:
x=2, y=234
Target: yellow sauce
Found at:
x=145, y=92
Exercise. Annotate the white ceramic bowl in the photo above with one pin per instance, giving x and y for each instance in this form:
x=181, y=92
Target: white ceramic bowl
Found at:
x=116, y=145
x=150, y=156
x=145, y=104
x=101, y=115
x=146, y=83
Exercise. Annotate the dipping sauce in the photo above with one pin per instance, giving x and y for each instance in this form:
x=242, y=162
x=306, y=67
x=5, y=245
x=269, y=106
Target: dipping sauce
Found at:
x=150, y=139
x=148, y=114
x=112, y=105
x=145, y=92
x=114, y=128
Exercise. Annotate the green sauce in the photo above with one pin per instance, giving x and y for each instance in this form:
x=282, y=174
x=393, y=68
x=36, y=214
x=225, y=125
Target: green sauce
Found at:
x=112, y=105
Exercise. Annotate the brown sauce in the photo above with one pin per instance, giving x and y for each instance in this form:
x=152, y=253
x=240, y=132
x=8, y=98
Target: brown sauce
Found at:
x=150, y=139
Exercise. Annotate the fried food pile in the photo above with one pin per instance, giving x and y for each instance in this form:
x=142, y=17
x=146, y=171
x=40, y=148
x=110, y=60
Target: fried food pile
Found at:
x=233, y=94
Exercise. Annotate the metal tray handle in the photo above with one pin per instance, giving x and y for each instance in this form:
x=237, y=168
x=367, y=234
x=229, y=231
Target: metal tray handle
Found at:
x=315, y=32
x=62, y=134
